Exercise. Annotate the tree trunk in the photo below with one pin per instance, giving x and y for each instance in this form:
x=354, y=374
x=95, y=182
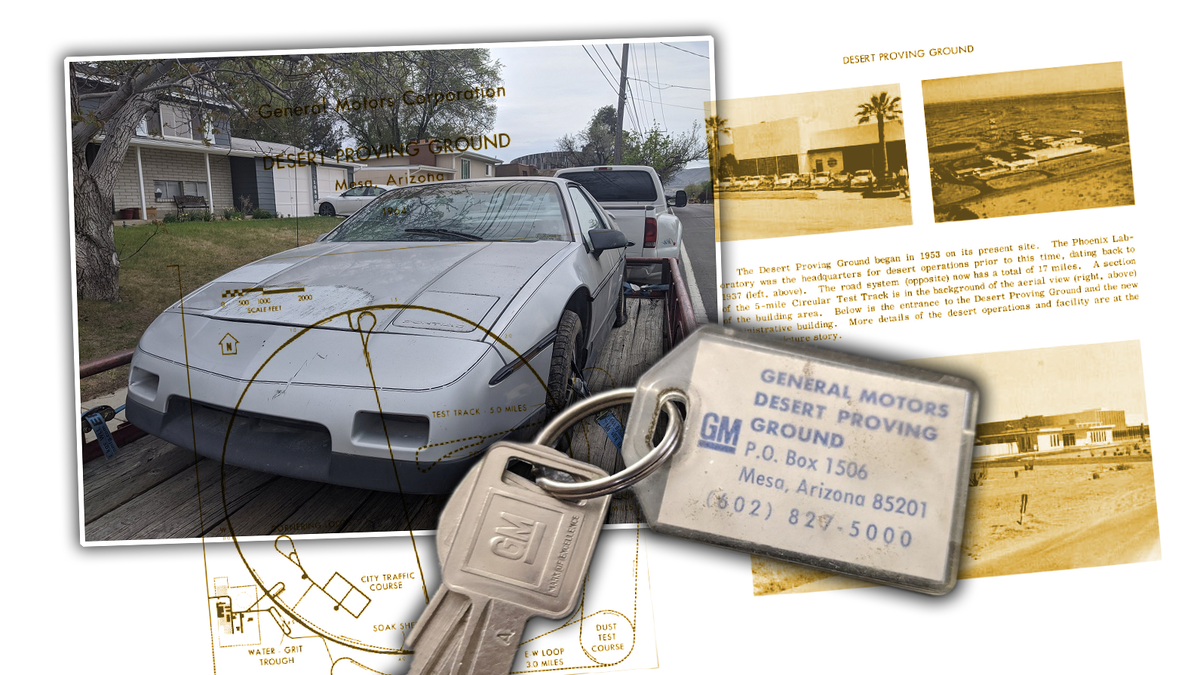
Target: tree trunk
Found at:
x=97, y=267
x=883, y=147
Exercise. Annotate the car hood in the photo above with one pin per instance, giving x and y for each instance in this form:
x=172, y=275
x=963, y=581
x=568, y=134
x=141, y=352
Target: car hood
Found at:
x=447, y=288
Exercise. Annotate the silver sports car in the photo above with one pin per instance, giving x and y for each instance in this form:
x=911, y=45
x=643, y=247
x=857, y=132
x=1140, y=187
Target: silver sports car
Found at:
x=395, y=349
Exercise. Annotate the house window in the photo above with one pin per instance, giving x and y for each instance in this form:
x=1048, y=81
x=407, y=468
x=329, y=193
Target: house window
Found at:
x=487, y=169
x=179, y=122
x=176, y=122
x=167, y=190
x=466, y=168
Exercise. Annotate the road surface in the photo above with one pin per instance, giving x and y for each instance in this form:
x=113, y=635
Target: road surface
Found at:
x=699, y=238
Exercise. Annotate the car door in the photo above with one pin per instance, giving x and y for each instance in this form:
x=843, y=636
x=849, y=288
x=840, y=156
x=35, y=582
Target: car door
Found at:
x=350, y=201
x=602, y=275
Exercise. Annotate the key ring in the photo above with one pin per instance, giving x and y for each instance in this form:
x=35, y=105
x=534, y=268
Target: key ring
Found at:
x=630, y=474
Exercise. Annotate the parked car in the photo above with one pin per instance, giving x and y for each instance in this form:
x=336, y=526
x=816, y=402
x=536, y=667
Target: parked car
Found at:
x=739, y=183
x=724, y=185
x=839, y=180
x=863, y=179
x=821, y=179
x=754, y=183
x=348, y=203
x=803, y=180
x=393, y=350
x=786, y=181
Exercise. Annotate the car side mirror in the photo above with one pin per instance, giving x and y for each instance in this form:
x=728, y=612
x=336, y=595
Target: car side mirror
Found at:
x=605, y=240
x=680, y=198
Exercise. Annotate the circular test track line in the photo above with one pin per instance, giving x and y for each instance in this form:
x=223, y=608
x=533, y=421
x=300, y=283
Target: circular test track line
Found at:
x=362, y=311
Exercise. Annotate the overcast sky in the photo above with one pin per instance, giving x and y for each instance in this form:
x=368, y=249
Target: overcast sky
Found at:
x=551, y=91
x=1053, y=381
x=1025, y=83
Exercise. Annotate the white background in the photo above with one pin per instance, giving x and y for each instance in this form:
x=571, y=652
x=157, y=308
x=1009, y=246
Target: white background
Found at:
x=141, y=609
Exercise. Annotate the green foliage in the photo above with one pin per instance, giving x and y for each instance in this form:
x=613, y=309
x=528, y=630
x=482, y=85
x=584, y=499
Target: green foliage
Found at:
x=261, y=214
x=232, y=214
x=596, y=144
x=667, y=153
x=388, y=75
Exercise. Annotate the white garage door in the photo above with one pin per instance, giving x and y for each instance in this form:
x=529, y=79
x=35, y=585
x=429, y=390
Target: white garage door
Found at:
x=327, y=180
x=293, y=191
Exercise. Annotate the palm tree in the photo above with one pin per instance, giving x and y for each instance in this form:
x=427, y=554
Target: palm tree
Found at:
x=714, y=125
x=881, y=108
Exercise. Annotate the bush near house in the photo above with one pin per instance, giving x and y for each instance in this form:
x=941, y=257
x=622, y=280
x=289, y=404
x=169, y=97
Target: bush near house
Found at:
x=174, y=262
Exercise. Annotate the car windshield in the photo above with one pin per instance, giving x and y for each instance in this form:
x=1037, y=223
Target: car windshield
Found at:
x=616, y=186
x=485, y=210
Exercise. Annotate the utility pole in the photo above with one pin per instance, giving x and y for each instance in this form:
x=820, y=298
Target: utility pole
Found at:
x=621, y=105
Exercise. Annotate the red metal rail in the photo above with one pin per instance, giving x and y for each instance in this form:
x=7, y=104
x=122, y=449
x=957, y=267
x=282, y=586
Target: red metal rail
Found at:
x=126, y=432
x=679, y=319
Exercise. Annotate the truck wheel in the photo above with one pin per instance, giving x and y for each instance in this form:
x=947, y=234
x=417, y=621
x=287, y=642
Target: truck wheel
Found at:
x=566, y=363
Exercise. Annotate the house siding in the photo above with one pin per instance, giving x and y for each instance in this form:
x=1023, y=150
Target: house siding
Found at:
x=162, y=164
x=266, y=187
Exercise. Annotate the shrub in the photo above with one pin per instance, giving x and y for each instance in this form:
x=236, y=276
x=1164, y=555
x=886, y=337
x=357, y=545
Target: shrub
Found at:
x=171, y=218
x=261, y=213
x=232, y=214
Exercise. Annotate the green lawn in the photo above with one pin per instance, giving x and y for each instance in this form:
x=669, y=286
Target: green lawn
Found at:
x=150, y=283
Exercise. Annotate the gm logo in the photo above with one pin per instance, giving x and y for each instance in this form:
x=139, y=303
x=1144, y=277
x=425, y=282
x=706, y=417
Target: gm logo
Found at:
x=717, y=432
x=519, y=539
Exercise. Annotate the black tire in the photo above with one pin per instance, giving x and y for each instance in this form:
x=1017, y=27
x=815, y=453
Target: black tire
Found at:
x=567, y=359
x=622, y=311
x=326, y=210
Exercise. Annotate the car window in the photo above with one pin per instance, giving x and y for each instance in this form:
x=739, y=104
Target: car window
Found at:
x=589, y=219
x=353, y=192
x=478, y=210
x=616, y=186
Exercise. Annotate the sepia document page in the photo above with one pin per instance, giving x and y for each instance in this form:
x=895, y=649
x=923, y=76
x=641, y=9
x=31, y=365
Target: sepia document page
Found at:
x=983, y=225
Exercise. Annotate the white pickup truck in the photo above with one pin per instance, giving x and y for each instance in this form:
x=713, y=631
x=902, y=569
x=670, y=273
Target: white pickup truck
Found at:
x=634, y=197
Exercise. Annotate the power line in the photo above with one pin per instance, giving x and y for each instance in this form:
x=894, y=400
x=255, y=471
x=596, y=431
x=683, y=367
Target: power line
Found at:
x=672, y=86
x=610, y=84
x=613, y=76
x=683, y=50
x=659, y=78
x=672, y=105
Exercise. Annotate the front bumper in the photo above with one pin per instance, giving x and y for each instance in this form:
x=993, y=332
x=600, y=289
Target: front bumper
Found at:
x=423, y=443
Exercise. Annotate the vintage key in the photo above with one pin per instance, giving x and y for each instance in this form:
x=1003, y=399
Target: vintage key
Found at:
x=833, y=461
x=509, y=551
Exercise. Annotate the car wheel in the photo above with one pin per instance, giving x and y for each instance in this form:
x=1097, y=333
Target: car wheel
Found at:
x=327, y=209
x=622, y=311
x=566, y=365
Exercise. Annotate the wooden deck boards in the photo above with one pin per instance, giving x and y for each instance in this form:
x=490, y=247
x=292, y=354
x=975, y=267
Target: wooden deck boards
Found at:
x=155, y=490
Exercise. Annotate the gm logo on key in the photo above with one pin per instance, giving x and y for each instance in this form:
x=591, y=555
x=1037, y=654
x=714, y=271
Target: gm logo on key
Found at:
x=717, y=432
x=520, y=539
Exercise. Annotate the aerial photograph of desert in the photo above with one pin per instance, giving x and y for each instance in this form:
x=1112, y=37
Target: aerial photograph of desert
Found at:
x=1034, y=141
x=1062, y=473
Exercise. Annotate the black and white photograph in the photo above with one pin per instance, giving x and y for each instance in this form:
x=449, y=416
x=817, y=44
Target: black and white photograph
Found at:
x=811, y=163
x=1031, y=141
x=313, y=288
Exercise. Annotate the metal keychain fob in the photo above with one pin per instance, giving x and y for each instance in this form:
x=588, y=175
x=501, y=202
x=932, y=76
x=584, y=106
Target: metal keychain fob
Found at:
x=833, y=461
